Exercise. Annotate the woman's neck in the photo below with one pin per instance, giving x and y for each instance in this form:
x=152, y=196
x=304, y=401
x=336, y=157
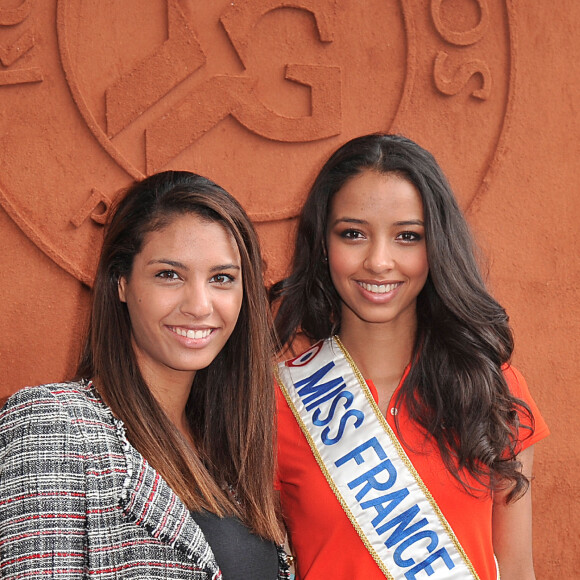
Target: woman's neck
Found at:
x=381, y=352
x=171, y=390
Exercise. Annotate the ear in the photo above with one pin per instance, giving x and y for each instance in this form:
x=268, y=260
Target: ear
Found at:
x=122, y=289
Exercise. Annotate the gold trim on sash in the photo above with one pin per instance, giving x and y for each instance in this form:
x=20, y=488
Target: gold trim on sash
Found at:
x=400, y=451
x=328, y=478
x=404, y=456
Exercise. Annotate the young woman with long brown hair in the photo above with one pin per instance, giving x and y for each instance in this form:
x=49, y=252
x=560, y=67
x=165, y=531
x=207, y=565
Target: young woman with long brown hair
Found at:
x=405, y=435
x=157, y=461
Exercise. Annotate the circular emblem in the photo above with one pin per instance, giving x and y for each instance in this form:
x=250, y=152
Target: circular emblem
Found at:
x=253, y=94
x=305, y=357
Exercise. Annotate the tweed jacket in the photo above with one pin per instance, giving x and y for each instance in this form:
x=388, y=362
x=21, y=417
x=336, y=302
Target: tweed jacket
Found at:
x=78, y=500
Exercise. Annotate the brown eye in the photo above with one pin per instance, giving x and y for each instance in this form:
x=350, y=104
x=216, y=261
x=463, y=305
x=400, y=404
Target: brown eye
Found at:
x=351, y=234
x=168, y=274
x=410, y=237
x=222, y=278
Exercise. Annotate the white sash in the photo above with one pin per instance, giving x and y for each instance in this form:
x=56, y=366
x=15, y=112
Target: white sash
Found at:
x=376, y=484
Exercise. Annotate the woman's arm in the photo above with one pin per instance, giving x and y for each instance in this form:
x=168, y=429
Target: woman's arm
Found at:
x=512, y=529
x=42, y=489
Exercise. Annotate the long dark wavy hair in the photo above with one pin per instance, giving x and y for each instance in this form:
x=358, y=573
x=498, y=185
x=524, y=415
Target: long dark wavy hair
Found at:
x=231, y=408
x=455, y=388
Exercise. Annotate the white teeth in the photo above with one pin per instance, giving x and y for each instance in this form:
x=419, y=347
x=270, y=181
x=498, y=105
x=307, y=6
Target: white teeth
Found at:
x=378, y=288
x=193, y=333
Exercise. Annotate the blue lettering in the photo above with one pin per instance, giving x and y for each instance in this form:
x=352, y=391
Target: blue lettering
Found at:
x=401, y=521
x=392, y=500
x=356, y=453
x=313, y=378
x=329, y=395
x=426, y=564
x=398, y=555
x=371, y=481
x=347, y=395
x=310, y=390
x=357, y=423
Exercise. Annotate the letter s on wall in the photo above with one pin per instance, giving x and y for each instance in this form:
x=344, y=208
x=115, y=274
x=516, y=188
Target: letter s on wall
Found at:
x=452, y=85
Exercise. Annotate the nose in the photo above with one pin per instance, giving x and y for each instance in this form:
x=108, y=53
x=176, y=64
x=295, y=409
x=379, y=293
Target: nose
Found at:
x=196, y=300
x=379, y=257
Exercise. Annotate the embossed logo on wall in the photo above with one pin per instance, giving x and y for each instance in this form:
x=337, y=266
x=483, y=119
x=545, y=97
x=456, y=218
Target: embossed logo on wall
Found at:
x=253, y=94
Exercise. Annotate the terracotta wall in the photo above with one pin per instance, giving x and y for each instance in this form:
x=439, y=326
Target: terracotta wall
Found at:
x=94, y=93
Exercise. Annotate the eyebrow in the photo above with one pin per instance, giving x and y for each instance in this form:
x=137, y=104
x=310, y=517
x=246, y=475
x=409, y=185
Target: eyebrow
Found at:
x=182, y=266
x=410, y=223
x=364, y=222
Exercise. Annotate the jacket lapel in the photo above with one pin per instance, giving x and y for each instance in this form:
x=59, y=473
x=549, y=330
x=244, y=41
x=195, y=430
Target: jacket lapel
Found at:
x=149, y=502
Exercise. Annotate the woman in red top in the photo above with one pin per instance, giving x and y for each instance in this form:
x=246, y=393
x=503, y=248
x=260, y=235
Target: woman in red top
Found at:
x=385, y=260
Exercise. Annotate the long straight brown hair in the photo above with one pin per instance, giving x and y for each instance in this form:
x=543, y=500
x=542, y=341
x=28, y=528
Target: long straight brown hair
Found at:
x=231, y=406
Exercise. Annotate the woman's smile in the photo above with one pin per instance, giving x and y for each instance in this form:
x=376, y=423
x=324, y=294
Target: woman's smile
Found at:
x=184, y=296
x=376, y=249
x=380, y=287
x=190, y=333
